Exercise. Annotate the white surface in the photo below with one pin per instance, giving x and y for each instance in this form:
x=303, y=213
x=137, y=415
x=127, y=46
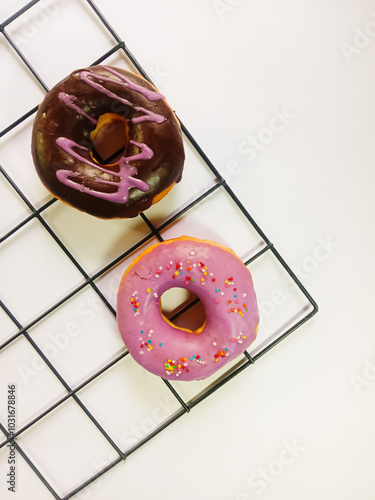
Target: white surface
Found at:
x=300, y=423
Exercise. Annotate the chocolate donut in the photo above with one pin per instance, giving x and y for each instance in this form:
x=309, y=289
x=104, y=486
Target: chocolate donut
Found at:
x=223, y=284
x=106, y=142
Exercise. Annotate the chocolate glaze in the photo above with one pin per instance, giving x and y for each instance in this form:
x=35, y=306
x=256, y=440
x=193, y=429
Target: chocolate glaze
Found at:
x=70, y=111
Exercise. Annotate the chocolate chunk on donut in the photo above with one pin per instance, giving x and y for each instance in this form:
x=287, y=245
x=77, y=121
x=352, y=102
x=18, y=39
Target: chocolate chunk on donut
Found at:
x=106, y=142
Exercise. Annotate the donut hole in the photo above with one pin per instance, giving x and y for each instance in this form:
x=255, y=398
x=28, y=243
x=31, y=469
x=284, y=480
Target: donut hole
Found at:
x=182, y=309
x=109, y=139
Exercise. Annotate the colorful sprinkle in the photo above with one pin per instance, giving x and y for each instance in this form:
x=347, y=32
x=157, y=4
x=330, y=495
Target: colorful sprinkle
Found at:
x=172, y=365
x=221, y=353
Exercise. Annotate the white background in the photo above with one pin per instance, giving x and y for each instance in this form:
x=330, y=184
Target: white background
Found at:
x=228, y=68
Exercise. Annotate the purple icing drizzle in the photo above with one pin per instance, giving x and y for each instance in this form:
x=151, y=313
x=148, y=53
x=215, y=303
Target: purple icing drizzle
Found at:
x=126, y=172
x=148, y=116
x=151, y=95
x=69, y=101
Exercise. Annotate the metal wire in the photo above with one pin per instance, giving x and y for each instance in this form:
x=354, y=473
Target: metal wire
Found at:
x=90, y=281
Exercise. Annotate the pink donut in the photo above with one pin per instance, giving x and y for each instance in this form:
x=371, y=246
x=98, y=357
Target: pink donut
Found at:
x=225, y=288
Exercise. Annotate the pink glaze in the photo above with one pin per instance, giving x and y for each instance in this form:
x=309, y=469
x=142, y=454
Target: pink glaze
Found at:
x=223, y=284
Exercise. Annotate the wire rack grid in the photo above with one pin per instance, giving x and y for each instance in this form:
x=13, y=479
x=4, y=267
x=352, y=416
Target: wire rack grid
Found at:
x=257, y=252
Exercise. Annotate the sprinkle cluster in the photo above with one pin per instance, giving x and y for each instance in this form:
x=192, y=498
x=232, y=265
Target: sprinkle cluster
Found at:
x=172, y=366
x=146, y=343
x=221, y=353
x=240, y=338
x=134, y=301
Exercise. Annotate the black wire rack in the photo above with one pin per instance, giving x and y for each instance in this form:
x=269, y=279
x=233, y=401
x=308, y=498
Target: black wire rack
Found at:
x=90, y=281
